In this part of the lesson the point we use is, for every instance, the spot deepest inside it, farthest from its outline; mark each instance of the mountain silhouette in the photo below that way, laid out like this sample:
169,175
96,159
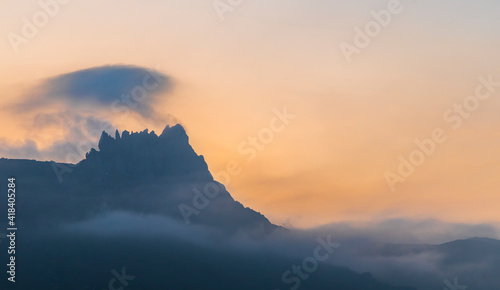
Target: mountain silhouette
138,172
135,156
474,262
149,204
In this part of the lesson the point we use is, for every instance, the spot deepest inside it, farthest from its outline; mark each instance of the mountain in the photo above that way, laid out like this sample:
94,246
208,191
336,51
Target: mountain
138,172
475,262
147,205
133,157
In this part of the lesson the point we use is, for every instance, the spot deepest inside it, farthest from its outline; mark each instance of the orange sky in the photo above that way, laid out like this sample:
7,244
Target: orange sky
353,120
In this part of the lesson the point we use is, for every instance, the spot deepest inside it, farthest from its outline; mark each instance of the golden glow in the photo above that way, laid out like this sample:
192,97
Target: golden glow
352,121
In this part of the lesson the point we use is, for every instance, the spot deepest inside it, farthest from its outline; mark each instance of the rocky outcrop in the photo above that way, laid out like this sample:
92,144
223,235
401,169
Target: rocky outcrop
137,155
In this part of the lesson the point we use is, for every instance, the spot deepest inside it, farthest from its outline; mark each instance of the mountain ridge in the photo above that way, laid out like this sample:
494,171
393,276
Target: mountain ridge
139,172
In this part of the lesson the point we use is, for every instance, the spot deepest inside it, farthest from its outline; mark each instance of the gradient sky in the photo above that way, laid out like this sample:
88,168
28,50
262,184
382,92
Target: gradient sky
353,119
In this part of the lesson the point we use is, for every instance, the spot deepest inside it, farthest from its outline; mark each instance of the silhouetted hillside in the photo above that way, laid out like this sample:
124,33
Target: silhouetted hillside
137,172
141,202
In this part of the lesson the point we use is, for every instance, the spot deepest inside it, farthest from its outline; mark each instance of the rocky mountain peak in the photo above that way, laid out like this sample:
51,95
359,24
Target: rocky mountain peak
144,153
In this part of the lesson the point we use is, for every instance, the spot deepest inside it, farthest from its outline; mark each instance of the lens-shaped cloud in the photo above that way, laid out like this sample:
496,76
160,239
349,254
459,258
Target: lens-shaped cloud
121,87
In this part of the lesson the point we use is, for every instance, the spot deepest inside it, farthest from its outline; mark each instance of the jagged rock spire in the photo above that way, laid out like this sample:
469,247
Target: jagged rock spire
145,154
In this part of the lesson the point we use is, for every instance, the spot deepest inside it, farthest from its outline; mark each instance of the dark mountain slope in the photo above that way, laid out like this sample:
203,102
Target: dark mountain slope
69,237
138,172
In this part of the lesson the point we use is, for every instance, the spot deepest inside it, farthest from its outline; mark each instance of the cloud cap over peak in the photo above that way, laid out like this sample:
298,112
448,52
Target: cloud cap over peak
122,87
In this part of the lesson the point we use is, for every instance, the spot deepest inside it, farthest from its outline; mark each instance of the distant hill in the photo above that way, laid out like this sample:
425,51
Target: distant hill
475,262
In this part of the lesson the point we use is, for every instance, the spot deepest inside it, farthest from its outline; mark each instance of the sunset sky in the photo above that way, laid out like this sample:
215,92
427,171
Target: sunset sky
228,72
